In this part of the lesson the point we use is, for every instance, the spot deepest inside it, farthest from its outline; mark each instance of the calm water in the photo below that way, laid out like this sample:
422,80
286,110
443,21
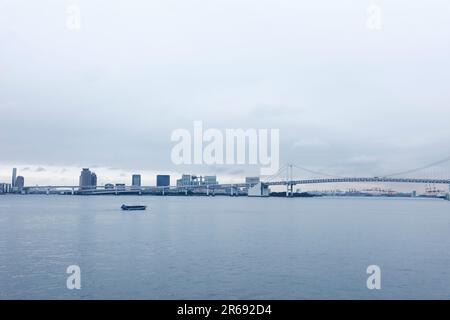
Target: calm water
223,248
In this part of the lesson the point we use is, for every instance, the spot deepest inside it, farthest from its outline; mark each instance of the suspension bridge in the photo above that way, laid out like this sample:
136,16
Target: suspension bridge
436,173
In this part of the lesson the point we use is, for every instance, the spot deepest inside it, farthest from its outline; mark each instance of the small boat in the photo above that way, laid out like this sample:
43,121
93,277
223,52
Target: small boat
125,207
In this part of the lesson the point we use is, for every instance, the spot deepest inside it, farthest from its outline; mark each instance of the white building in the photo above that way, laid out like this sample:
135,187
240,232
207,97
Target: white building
259,190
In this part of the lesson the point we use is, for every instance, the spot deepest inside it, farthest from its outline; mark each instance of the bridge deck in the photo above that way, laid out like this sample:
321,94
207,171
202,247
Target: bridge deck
375,179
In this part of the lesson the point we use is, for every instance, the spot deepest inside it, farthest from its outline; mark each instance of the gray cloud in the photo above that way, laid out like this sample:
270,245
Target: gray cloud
111,93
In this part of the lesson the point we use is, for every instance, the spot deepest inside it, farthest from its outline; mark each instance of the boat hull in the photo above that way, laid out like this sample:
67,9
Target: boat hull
133,208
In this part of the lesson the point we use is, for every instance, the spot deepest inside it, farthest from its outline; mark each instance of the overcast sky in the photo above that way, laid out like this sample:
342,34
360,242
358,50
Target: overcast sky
347,99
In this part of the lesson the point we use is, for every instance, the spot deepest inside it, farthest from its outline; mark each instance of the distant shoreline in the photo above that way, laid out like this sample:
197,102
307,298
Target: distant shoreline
272,195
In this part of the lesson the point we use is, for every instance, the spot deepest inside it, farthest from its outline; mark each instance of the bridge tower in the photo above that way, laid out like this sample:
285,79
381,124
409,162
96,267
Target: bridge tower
289,179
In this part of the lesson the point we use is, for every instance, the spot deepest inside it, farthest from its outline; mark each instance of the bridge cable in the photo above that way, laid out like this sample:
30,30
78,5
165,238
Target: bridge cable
316,172
418,169
276,175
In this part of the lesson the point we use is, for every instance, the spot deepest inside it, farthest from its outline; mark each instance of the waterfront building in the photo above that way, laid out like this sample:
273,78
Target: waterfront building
136,180
88,179
186,180
210,180
85,178
93,180
5,188
20,183
162,180
196,181
193,180
259,190
109,186
120,186
13,180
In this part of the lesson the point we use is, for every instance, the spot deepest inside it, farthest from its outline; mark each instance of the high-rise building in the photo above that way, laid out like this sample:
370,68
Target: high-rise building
88,179
93,179
162,180
136,180
20,183
85,178
13,180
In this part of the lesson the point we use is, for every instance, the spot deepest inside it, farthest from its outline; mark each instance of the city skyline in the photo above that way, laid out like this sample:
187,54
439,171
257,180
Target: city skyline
40,175
368,186
435,170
